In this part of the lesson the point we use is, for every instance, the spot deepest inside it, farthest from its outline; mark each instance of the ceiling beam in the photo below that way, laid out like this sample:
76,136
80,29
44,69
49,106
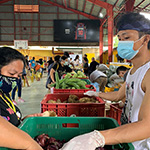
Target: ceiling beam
129,6
73,10
92,9
145,6
100,11
139,4
100,3
77,5
116,3
84,6
65,3
4,1
69,3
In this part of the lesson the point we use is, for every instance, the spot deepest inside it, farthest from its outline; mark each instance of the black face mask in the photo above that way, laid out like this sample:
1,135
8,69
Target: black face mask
7,83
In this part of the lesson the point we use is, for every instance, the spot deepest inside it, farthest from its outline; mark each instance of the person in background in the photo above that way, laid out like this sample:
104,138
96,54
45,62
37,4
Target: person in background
60,67
33,62
70,62
19,86
41,62
24,77
27,66
76,60
85,66
11,66
56,61
27,61
85,55
100,78
45,65
134,37
122,72
93,65
66,54
119,59
50,61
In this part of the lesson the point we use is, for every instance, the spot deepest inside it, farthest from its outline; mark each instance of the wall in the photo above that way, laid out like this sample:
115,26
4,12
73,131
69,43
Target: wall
91,52
36,27
45,54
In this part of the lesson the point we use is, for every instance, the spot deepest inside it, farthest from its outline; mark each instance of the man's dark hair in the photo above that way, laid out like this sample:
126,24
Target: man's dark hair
85,59
66,54
63,57
41,61
33,58
93,59
8,55
136,21
57,58
85,55
121,68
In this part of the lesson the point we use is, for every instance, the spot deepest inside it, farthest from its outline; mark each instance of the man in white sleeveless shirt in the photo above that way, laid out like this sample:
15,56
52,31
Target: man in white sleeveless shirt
133,34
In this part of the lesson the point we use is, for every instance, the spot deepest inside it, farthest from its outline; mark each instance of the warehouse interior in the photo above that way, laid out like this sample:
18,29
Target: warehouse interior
33,21
46,28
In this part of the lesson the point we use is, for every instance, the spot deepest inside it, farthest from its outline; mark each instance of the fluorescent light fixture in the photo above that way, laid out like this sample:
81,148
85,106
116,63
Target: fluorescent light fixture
145,14
101,15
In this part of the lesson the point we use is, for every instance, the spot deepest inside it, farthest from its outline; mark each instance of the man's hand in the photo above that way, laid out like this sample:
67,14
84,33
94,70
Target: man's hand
92,93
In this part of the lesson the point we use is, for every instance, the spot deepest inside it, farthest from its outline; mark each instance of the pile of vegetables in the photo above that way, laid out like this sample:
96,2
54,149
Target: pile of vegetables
49,114
76,99
73,74
68,83
49,143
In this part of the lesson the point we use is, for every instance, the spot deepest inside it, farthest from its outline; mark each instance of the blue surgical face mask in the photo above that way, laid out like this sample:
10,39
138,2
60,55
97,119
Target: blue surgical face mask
125,49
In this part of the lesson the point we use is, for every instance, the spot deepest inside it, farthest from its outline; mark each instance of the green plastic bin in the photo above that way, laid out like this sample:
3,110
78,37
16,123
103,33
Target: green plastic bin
55,127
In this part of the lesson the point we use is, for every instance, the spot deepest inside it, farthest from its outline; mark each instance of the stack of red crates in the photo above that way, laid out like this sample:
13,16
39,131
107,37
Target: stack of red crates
75,109
68,109
115,112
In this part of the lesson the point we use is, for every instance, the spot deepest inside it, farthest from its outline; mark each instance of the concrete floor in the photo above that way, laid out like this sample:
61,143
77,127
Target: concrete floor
32,95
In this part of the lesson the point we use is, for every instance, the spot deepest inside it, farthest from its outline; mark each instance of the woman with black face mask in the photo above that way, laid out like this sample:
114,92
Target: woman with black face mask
11,66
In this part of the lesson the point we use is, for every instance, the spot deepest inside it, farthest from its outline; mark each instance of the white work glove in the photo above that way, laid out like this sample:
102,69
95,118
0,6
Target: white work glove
89,141
92,93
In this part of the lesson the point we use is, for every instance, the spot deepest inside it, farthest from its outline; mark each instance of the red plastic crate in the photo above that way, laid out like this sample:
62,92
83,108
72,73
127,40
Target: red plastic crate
115,112
67,109
74,90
